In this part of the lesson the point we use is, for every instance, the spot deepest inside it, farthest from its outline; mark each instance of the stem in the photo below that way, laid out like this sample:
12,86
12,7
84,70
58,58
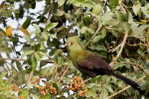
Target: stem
98,29
121,49
64,73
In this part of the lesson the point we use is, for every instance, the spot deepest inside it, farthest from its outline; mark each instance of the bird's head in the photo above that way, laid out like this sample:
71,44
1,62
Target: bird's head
73,44
72,41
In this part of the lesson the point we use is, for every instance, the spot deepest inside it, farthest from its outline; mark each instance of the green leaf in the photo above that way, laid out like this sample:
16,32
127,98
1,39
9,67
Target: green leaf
28,52
2,62
87,20
97,9
48,96
37,29
32,61
109,18
1,31
113,3
51,26
98,47
86,30
24,93
145,9
44,36
61,2
6,12
19,78
119,65
137,8
27,23
83,3
91,92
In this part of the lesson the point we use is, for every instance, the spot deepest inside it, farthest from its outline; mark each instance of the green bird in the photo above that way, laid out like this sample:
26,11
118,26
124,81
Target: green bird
90,64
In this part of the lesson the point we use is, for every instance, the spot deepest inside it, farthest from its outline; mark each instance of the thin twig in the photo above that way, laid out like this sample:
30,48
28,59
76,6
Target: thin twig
115,49
85,81
121,49
64,73
97,31
122,90
30,77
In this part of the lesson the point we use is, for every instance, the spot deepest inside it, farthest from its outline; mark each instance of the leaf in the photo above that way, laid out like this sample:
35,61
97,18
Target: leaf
113,3
136,8
145,9
100,36
61,2
86,30
1,31
48,96
44,36
91,92
138,31
2,63
37,29
6,13
9,30
109,19
28,52
122,16
24,94
83,3
32,61
119,65
26,23
97,9
51,26
98,47
87,20
20,12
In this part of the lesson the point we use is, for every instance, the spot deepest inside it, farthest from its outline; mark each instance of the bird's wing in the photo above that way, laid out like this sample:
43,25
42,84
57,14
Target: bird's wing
94,64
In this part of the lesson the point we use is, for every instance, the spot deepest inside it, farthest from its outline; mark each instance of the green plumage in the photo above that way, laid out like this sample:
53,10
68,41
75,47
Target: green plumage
91,64
86,61
76,51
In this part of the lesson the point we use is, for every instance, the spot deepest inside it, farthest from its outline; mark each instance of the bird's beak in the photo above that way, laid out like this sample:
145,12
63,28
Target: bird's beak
66,45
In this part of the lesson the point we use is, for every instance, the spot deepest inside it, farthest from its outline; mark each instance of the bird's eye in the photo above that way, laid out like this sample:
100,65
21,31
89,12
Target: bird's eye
68,44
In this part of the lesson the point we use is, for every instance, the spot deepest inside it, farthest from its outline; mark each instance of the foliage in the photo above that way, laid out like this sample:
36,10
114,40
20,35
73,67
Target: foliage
34,62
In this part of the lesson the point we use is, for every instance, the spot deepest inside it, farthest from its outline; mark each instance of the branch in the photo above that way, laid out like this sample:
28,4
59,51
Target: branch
122,90
30,77
98,29
64,73
115,49
121,49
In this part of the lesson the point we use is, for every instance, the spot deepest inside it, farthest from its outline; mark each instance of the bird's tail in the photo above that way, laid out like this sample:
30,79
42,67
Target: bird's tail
130,82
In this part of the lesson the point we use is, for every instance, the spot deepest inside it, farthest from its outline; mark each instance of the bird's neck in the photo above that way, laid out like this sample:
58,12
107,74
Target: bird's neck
76,53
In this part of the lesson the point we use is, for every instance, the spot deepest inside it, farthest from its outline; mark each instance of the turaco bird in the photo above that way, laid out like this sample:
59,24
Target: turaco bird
91,64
